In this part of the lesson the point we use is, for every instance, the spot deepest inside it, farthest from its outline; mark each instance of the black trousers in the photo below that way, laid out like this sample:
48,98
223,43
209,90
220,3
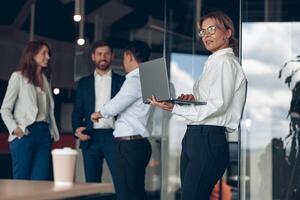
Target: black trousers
132,159
204,159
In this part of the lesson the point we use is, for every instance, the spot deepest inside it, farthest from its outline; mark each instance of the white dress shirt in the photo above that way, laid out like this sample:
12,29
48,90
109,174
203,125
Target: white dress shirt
132,113
102,95
223,86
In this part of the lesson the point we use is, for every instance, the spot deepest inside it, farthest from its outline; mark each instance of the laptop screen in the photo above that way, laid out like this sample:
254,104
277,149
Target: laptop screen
154,79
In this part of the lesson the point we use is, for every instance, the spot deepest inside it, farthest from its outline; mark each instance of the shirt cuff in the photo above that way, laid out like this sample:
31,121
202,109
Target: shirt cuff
24,129
104,112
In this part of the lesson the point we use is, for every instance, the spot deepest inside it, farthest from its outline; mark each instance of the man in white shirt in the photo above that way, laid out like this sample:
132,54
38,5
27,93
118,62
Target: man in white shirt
96,139
134,149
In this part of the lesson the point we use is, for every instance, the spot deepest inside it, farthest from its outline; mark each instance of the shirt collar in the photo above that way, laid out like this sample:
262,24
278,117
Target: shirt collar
132,73
108,74
221,52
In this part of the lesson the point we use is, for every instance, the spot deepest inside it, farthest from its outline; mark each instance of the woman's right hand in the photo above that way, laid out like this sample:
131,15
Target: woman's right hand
18,132
187,97
163,105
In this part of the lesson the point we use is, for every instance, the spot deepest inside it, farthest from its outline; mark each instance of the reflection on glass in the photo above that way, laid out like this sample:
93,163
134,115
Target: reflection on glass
184,70
266,48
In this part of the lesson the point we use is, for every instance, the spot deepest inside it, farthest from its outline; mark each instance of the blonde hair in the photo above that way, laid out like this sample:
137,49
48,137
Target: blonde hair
226,22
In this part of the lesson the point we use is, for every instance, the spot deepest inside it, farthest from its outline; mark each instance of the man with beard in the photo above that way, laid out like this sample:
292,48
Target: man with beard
96,139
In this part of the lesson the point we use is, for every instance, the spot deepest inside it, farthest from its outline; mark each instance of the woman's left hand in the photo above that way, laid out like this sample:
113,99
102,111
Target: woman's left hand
187,97
163,105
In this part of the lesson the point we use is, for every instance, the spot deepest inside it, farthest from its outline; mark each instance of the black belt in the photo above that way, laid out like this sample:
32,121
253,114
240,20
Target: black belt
131,137
200,127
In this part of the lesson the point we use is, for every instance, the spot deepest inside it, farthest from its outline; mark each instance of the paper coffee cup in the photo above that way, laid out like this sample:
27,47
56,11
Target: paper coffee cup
64,162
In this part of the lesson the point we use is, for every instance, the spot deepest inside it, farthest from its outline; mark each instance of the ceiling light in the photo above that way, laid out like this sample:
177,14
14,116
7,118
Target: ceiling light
77,11
80,41
77,18
56,91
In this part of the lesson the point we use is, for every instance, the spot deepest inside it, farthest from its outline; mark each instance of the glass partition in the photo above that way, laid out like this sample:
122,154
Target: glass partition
270,129
168,26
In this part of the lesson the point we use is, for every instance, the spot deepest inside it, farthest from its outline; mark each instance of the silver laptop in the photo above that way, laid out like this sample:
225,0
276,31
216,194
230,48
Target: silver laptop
154,81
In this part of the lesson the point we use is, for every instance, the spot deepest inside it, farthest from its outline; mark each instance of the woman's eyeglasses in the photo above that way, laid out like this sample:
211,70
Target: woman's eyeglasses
210,30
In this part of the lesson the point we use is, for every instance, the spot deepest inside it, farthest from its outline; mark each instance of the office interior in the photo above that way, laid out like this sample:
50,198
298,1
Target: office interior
264,153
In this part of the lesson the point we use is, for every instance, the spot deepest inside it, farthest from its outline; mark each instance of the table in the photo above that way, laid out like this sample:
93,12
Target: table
40,190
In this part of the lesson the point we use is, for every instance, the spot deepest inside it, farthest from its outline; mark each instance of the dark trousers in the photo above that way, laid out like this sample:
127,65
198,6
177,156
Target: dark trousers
204,159
31,154
100,146
132,159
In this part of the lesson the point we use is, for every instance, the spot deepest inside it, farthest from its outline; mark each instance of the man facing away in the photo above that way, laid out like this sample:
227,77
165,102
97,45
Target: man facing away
133,147
96,138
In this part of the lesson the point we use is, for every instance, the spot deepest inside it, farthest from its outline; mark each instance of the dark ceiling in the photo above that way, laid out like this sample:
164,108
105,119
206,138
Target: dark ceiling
54,18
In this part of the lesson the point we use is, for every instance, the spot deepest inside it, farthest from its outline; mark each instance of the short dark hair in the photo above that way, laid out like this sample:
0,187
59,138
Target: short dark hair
139,49
101,43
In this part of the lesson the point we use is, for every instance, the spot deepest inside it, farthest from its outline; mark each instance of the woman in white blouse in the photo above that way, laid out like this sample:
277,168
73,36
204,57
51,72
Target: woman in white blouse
28,113
205,152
